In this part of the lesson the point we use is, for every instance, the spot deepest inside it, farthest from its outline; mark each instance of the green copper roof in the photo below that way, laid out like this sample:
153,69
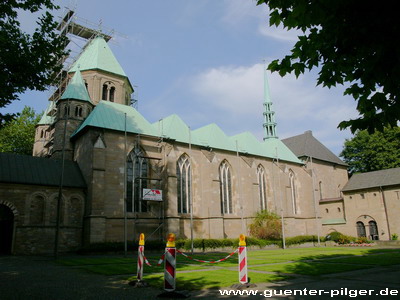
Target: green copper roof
111,115
46,119
212,136
97,55
76,89
173,127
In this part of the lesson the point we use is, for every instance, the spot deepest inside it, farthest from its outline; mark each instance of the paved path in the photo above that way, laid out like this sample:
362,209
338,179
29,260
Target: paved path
24,277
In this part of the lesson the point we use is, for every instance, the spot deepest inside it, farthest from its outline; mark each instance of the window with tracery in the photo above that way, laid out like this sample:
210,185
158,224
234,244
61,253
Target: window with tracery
225,178
293,194
262,191
184,178
137,168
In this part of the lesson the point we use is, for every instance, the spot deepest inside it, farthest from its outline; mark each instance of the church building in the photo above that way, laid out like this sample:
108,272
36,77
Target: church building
119,175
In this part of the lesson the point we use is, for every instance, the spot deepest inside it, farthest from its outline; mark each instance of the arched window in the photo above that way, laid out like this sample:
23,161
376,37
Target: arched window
112,94
361,229
184,178
293,191
137,176
320,190
78,111
36,213
66,110
373,230
104,92
75,211
262,187
225,179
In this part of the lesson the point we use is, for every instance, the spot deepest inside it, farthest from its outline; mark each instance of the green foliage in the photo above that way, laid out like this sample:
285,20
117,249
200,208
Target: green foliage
302,239
349,46
18,136
334,236
346,239
266,225
27,61
394,237
363,240
371,152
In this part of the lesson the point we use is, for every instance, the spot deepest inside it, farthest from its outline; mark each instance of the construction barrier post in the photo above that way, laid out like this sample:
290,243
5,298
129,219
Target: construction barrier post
170,264
140,265
170,271
140,261
243,278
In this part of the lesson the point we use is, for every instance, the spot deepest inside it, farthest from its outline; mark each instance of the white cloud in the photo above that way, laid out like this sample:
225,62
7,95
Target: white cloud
237,94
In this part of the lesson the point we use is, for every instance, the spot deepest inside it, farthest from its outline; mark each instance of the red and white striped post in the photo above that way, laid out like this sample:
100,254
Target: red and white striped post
170,264
243,278
140,261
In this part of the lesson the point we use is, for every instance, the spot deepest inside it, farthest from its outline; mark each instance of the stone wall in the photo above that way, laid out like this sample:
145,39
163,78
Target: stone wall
34,209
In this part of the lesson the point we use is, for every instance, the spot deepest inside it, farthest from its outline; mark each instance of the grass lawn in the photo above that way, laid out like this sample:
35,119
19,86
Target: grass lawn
214,279
277,264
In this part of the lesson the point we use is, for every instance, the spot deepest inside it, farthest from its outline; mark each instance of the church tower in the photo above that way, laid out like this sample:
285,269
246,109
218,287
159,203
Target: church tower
269,114
71,109
102,74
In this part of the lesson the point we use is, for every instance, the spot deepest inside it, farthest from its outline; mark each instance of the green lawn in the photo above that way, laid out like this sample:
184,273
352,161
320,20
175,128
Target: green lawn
263,265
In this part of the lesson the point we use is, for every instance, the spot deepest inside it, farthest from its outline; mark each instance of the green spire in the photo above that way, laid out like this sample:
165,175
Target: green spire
97,56
76,89
269,114
46,118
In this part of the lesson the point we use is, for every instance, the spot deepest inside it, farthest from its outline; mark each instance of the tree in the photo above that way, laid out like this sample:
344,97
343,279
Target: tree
370,152
27,61
354,43
266,225
18,135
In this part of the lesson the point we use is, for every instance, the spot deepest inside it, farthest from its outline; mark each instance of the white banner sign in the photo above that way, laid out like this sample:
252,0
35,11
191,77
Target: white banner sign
152,195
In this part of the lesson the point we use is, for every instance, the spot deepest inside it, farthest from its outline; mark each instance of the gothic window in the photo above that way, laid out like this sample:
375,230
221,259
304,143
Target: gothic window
104,92
225,180
137,178
293,194
37,210
262,187
183,175
112,94
373,230
320,190
42,134
361,229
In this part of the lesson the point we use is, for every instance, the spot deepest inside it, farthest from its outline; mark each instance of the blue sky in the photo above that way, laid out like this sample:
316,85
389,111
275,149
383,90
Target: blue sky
203,60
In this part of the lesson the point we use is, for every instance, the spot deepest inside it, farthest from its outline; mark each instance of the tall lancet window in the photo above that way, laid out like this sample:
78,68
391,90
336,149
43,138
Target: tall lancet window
184,178
262,187
293,194
225,180
137,169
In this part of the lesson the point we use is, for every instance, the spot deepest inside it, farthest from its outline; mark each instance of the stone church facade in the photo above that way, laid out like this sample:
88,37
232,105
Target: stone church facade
114,157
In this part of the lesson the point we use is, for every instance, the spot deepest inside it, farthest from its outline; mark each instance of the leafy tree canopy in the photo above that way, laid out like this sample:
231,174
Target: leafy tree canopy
18,135
354,43
371,152
27,61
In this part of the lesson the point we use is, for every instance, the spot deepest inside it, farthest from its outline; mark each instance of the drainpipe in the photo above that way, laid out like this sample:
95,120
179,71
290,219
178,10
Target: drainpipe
386,213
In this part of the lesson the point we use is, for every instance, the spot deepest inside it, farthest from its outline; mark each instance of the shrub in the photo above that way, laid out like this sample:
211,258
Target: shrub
266,225
363,240
334,236
345,239
394,237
